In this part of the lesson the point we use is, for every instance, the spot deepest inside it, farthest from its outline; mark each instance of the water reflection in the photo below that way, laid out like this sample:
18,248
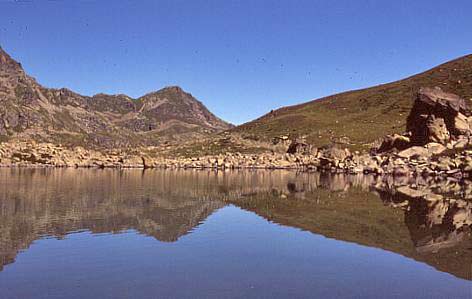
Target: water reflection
169,204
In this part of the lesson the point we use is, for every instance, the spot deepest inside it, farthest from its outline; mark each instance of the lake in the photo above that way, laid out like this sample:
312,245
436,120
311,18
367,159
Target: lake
84,233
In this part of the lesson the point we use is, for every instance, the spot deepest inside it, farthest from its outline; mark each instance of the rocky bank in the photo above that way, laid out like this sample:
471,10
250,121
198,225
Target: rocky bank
437,143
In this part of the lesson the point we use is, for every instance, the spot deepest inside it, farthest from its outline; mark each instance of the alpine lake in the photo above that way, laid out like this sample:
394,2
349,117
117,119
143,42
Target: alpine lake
102,233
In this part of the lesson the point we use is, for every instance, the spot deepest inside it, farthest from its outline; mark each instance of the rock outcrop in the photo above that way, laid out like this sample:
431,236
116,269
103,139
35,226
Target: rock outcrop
301,147
438,116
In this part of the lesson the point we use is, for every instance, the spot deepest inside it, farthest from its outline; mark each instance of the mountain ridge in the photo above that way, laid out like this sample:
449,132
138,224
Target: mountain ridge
32,111
170,116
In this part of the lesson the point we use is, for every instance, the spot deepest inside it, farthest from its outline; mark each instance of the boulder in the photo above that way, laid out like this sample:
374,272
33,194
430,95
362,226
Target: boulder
335,153
461,125
435,112
436,131
395,141
435,101
462,143
333,157
435,148
300,147
414,152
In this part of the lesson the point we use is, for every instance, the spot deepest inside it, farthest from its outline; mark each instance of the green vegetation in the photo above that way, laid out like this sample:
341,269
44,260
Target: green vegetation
216,148
361,116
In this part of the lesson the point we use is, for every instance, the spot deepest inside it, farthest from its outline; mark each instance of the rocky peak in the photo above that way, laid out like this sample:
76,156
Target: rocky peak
173,103
175,89
8,64
171,93
65,117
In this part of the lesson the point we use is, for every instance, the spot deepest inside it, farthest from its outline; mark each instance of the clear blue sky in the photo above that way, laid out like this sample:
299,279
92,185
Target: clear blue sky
241,58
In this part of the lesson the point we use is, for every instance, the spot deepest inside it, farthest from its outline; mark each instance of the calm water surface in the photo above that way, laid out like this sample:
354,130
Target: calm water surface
199,234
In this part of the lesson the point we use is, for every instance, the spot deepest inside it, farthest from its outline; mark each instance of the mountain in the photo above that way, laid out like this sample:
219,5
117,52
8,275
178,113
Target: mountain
33,112
357,118
29,111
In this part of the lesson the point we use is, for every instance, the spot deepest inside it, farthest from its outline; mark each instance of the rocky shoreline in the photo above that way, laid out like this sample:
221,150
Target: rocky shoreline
431,160
437,143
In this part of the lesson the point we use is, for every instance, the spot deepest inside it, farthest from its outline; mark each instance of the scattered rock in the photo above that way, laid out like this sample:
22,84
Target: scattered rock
394,142
410,192
414,152
435,148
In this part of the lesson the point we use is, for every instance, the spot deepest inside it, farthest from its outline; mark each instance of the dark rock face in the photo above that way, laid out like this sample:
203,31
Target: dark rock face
300,147
395,141
30,111
437,116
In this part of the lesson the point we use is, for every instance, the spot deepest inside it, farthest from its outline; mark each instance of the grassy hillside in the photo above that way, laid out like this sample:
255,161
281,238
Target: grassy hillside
360,117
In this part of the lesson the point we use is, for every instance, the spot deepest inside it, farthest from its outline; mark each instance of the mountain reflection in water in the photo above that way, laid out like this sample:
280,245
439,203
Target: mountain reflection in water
169,204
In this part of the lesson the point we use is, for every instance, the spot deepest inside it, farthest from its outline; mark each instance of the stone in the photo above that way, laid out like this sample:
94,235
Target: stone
433,197
436,131
445,164
410,192
461,125
414,152
435,148
300,147
467,165
436,99
336,153
432,104
461,143
395,141
400,171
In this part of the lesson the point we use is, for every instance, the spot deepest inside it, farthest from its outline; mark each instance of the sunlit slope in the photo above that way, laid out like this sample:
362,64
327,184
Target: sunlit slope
360,117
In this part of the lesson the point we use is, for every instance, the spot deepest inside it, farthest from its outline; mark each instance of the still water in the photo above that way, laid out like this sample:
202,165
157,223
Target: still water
204,234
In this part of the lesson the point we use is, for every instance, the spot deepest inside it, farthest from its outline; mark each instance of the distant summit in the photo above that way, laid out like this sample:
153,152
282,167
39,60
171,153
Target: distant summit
29,111
6,62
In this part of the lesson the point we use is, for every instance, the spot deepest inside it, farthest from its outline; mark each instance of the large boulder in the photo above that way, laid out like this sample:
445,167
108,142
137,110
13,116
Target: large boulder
436,111
300,147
